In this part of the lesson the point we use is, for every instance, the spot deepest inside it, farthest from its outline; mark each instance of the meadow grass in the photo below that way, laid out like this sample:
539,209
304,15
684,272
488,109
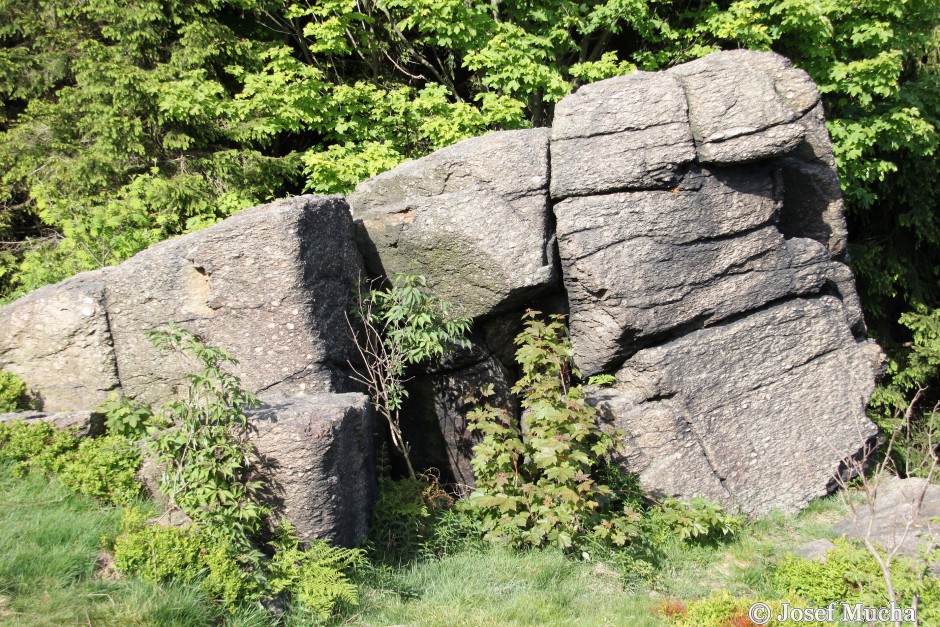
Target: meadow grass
50,574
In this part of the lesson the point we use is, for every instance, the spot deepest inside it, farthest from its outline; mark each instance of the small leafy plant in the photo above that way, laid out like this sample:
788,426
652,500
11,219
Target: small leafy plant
694,519
125,417
12,393
201,439
535,478
401,326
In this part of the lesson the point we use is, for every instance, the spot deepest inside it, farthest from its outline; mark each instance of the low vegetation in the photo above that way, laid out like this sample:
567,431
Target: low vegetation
553,532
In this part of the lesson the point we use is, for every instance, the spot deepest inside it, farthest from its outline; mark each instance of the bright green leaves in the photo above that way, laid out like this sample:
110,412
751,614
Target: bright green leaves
535,478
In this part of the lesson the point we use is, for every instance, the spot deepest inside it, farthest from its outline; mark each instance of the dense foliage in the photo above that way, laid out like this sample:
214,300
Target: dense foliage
102,468
12,392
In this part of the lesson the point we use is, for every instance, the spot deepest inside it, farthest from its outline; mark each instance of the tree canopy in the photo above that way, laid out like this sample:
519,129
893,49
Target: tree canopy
123,123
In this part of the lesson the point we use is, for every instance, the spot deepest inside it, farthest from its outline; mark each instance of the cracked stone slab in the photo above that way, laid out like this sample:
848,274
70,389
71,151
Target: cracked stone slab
270,285
318,459
58,340
638,265
746,105
81,423
472,218
629,132
757,413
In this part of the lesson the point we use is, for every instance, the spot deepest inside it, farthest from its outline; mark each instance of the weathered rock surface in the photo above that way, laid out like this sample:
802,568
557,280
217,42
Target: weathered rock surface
81,423
270,285
640,264
757,413
630,132
58,340
900,517
472,218
319,459
745,106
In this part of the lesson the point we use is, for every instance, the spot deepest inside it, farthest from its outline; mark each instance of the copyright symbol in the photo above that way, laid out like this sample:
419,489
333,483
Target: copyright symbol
759,613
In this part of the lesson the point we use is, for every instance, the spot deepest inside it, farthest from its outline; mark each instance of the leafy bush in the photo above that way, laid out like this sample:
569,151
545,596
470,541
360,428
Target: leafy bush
201,438
313,577
103,468
125,417
12,393
211,474
416,518
694,519
34,446
535,479
851,574
186,554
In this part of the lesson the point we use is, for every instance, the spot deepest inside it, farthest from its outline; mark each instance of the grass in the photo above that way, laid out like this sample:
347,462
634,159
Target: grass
498,587
51,539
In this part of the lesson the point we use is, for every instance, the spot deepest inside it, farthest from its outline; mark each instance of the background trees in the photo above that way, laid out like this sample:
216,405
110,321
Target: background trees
123,123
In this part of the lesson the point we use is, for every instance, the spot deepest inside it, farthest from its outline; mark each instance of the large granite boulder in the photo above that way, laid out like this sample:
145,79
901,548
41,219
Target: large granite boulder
707,274
319,460
58,340
630,132
271,285
758,413
472,218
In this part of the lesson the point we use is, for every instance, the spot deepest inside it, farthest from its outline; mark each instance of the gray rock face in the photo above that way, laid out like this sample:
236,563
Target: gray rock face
639,264
58,340
757,413
270,285
321,465
438,406
472,218
630,132
900,517
81,423
745,106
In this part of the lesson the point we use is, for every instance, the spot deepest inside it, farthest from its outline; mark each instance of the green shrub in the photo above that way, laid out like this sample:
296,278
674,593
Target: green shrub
104,468
415,518
12,393
201,439
401,326
34,446
535,478
694,519
313,577
851,574
125,417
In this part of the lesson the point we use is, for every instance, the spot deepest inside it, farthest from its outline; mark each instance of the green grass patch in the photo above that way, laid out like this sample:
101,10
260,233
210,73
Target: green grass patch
51,571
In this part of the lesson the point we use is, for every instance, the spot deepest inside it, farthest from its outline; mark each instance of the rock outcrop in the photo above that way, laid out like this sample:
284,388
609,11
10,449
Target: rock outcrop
58,339
708,276
472,218
318,456
690,221
271,285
